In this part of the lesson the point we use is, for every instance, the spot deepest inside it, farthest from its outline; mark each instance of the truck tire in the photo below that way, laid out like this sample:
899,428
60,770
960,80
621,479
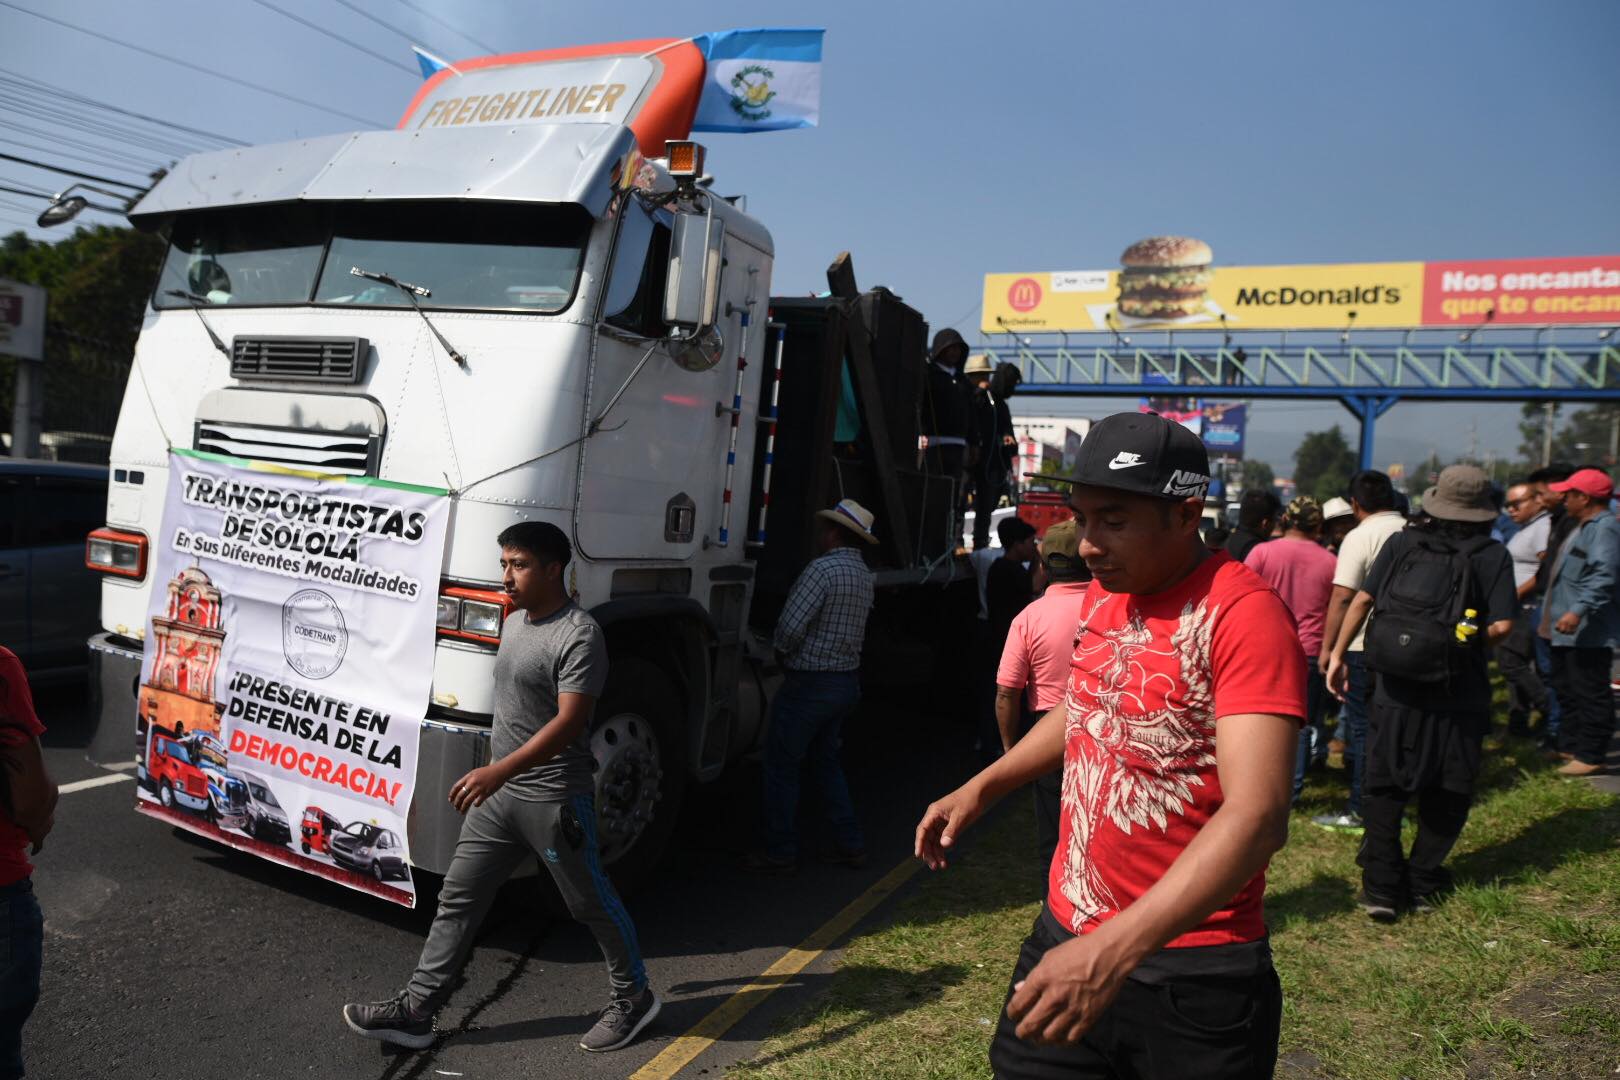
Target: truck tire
166,795
639,738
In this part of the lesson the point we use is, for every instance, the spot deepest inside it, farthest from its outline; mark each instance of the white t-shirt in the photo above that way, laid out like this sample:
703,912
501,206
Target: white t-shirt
1361,546
1526,547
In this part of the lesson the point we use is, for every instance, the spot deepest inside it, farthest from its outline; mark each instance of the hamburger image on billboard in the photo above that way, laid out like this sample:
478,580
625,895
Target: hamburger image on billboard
1164,278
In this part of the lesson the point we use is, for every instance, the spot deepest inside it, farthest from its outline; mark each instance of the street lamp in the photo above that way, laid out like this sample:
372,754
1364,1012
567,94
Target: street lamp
66,206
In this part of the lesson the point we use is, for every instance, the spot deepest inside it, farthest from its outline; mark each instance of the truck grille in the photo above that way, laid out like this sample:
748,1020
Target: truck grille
289,359
330,452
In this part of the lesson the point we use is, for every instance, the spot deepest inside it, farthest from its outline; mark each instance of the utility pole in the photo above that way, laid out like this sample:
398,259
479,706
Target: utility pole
28,408
1546,433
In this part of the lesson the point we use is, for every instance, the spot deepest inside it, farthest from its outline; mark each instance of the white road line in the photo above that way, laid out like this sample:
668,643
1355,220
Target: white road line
94,781
120,766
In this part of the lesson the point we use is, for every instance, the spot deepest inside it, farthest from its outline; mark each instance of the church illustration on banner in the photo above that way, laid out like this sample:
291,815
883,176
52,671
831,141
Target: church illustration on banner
188,638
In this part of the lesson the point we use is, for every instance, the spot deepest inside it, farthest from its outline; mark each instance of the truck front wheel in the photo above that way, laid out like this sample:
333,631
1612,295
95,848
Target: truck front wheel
638,740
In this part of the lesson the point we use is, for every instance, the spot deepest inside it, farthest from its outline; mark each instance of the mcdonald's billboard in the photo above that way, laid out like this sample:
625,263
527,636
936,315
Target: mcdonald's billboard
1172,283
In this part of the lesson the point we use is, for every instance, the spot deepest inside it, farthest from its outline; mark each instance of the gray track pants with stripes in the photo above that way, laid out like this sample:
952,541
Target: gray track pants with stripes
494,839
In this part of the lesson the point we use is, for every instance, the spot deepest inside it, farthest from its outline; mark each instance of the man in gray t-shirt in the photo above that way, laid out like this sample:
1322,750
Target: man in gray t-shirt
535,797
538,661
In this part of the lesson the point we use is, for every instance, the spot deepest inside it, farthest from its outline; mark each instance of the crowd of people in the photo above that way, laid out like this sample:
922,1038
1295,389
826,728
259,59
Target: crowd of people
1165,692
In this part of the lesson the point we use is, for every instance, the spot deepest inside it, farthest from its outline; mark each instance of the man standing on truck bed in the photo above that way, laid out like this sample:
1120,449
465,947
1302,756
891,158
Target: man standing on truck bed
534,798
1150,956
818,637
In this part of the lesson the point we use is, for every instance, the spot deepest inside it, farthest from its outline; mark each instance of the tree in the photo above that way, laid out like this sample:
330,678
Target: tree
1324,463
99,280
1585,437
1257,474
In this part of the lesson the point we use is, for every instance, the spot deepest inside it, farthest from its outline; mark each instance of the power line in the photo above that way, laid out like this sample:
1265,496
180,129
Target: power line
24,191
447,26
319,29
14,77
47,102
101,156
188,64
73,172
57,135
390,27
60,123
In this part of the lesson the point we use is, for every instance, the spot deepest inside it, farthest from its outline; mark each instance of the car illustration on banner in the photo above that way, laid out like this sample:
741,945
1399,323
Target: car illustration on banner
174,772
369,849
317,829
267,821
227,793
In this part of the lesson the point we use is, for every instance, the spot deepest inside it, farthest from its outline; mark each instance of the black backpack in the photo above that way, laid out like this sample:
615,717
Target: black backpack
1413,632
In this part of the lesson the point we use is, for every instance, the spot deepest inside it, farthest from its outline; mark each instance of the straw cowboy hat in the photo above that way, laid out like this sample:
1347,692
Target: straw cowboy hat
852,516
978,364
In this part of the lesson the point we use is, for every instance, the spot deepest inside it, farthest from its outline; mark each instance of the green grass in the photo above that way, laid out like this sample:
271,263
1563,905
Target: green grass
1518,973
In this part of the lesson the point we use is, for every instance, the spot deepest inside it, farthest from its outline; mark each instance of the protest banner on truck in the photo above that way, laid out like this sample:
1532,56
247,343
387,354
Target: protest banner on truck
288,659
1172,283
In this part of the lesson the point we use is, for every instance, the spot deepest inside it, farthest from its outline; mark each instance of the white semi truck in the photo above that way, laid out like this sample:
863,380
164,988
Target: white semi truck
557,327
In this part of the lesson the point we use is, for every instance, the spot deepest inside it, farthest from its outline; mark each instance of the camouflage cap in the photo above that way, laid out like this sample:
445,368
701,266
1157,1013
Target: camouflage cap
1304,513
1060,551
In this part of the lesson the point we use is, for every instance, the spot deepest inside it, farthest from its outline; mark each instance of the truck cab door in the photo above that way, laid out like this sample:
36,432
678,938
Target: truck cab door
662,441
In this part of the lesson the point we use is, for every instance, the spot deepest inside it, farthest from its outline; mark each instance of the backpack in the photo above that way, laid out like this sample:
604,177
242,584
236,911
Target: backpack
1413,632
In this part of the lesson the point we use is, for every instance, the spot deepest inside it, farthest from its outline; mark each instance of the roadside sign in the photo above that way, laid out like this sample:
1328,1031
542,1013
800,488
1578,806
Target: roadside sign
22,320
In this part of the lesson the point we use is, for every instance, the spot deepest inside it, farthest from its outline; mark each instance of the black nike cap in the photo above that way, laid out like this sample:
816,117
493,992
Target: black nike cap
1145,454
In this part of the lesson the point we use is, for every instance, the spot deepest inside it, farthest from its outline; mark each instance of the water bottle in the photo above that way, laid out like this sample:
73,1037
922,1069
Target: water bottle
1468,627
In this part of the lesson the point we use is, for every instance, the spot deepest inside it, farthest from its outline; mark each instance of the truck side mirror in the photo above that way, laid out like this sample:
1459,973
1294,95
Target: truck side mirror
692,293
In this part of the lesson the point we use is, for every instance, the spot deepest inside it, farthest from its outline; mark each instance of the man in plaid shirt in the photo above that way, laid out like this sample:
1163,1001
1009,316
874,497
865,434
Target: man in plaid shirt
818,638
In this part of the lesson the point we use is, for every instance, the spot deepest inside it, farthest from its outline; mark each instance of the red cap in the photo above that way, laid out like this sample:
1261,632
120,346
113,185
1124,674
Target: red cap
1587,482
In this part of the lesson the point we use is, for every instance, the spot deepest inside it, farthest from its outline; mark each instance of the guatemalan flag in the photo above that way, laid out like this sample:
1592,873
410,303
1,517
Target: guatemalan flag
760,80
430,63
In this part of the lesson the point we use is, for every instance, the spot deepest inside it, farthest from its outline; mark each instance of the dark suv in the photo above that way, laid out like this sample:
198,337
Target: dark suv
49,603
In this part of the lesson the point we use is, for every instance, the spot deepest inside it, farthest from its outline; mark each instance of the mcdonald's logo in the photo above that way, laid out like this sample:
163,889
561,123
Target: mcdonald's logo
1024,294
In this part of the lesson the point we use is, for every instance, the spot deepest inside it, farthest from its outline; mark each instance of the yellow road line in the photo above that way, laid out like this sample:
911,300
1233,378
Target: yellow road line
681,1053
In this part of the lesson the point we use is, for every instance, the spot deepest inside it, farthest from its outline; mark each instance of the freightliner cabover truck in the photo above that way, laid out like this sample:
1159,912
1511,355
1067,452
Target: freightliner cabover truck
555,325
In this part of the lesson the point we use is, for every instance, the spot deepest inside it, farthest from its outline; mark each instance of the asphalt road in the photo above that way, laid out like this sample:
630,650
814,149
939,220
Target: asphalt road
166,955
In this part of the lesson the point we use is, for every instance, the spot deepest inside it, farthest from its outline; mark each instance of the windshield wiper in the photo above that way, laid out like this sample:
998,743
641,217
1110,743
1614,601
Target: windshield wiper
411,293
196,305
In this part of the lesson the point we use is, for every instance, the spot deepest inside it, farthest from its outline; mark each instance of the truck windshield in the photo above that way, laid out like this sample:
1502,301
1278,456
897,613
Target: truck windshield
473,256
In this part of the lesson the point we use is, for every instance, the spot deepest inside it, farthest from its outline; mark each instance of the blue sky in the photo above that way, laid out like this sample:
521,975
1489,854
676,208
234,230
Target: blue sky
964,138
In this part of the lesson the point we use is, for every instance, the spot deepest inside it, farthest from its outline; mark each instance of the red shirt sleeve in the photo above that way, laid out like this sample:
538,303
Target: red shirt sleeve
18,721
1256,661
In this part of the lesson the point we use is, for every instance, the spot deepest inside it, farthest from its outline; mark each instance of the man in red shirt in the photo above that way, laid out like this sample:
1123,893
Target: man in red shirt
27,809
1301,570
1177,740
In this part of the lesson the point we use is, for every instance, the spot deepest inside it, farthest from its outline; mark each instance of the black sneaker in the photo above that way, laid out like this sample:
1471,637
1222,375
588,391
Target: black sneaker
622,1021
762,862
1383,911
840,857
391,1021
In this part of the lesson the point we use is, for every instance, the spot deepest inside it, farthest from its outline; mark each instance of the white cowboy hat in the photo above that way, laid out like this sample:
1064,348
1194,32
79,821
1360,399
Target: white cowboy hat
978,364
852,516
